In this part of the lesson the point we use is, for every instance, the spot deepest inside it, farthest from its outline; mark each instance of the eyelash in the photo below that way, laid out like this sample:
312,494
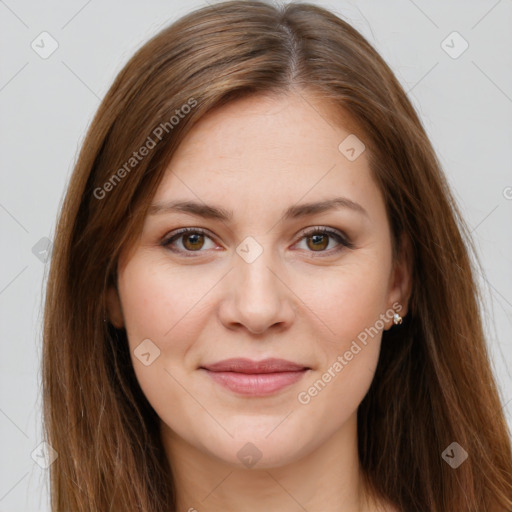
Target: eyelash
317,230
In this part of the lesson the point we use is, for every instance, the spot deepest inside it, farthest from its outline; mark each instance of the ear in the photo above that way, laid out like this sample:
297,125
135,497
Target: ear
401,279
114,310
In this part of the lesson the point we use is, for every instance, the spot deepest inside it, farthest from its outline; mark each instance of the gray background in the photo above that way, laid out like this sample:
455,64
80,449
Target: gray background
46,105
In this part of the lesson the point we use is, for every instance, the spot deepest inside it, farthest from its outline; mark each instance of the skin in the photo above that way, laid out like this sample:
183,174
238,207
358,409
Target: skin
296,301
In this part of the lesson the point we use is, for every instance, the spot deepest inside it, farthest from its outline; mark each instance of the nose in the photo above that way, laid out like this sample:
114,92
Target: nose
256,296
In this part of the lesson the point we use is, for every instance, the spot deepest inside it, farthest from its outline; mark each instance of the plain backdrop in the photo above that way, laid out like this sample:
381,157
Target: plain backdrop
463,96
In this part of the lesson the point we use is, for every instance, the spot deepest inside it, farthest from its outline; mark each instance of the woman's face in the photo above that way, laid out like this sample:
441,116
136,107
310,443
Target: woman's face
260,283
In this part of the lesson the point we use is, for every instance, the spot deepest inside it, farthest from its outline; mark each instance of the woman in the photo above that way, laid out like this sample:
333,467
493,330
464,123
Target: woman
261,296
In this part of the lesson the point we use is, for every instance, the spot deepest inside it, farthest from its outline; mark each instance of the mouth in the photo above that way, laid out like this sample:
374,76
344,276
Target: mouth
255,378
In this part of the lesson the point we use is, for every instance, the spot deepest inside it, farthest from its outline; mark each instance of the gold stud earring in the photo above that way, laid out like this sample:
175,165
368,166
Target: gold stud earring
397,319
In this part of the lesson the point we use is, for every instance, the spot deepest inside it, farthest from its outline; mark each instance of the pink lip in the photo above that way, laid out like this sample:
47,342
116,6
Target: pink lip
255,378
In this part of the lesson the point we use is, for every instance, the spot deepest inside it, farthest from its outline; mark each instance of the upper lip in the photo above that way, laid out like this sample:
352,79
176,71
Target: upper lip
242,365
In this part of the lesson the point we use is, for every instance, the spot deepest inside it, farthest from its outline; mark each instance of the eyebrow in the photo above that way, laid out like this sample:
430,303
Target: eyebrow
293,212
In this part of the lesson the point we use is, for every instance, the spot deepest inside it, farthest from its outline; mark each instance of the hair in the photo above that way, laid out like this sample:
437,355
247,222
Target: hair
433,384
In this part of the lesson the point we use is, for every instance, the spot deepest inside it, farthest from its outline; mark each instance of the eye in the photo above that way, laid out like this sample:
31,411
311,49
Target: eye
192,240
317,239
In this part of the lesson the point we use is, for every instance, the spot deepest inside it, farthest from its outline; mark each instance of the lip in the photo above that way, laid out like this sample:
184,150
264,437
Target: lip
255,378
243,365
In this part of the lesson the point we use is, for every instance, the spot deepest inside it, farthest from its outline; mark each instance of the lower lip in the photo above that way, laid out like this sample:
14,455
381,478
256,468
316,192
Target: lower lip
259,384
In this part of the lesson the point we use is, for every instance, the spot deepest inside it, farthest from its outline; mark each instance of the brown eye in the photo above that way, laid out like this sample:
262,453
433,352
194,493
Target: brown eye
318,242
192,240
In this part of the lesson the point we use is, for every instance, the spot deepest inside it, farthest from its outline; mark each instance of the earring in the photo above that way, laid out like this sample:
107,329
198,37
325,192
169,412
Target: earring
397,319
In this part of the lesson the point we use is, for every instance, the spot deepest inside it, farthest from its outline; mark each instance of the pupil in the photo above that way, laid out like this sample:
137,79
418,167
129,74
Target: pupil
317,241
193,239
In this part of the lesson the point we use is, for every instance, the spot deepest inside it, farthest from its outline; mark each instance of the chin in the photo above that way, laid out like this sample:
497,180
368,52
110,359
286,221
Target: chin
251,450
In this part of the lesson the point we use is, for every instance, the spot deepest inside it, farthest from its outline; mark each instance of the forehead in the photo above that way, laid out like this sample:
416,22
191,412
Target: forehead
268,151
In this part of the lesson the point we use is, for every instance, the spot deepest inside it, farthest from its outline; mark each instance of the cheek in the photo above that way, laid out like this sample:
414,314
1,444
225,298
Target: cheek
346,299
162,303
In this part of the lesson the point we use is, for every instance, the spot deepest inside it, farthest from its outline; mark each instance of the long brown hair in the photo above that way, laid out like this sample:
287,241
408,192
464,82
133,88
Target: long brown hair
433,385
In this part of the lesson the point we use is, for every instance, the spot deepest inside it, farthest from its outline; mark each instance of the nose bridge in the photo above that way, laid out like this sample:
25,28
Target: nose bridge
252,266
258,299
